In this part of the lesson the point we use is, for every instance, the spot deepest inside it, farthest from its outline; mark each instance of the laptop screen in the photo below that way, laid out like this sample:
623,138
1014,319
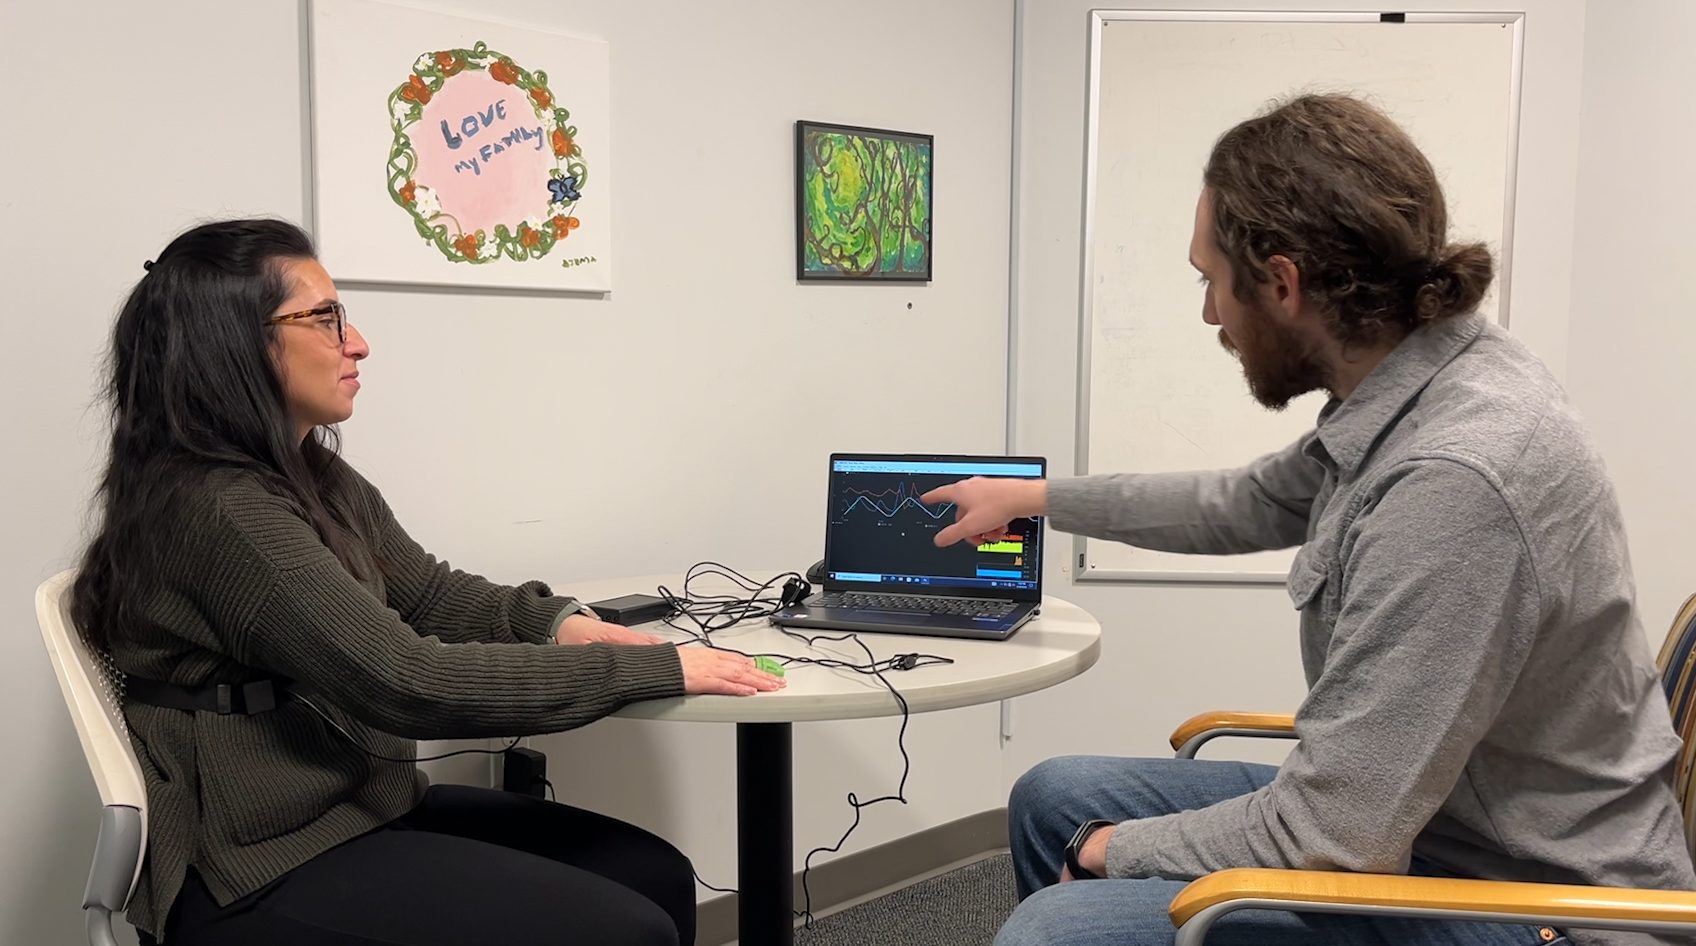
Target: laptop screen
880,536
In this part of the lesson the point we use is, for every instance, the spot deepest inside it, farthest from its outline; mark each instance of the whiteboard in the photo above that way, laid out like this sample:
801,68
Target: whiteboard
1156,393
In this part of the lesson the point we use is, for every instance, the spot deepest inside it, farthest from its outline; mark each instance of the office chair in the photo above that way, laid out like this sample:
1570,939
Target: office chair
1208,898
93,691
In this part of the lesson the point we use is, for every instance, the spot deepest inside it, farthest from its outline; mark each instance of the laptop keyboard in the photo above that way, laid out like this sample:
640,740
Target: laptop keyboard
927,604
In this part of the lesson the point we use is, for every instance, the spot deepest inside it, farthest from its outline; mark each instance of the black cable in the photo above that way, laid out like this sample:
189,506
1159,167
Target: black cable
387,758
710,886
806,911
717,612
853,801
550,787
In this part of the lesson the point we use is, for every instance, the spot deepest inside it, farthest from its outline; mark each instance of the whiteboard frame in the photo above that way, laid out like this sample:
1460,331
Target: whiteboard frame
1084,572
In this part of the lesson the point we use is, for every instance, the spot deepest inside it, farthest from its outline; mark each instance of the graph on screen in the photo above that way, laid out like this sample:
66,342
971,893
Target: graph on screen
889,503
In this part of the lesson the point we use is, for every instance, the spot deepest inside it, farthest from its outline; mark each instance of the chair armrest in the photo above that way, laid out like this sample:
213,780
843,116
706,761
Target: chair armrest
118,852
1210,897
111,878
1197,730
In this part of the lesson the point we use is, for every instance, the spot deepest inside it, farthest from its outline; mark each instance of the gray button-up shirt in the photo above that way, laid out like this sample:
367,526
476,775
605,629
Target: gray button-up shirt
1481,693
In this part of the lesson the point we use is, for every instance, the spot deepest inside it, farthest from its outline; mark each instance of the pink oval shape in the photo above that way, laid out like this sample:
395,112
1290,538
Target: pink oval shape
490,162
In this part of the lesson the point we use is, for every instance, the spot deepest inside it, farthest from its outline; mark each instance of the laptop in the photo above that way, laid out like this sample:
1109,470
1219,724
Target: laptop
883,571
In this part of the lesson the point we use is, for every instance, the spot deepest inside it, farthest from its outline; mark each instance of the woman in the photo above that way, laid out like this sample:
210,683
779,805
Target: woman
237,548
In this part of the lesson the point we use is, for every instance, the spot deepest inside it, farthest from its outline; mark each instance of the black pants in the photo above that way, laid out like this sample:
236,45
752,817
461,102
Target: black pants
467,866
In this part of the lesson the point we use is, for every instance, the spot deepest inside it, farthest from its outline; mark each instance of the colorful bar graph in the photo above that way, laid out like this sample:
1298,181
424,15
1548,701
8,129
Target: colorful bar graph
999,573
1014,546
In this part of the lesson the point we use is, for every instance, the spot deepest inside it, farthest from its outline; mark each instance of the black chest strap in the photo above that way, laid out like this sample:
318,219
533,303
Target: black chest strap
225,699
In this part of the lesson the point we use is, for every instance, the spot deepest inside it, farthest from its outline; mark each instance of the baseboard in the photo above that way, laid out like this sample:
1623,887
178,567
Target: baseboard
852,877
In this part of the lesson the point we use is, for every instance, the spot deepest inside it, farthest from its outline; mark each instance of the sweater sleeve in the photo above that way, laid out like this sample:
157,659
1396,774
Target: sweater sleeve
297,612
1440,607
435,598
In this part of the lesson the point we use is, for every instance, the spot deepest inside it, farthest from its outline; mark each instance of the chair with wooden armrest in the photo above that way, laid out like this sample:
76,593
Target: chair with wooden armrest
1197,731
1205,900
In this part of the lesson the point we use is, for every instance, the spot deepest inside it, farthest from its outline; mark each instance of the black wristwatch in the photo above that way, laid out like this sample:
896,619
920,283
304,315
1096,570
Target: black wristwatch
1076,847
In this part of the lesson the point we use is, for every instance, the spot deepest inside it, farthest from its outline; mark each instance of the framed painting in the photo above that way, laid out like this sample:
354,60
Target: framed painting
862,203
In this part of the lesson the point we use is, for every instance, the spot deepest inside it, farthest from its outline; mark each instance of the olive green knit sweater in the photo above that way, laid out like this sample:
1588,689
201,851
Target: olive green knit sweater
419,651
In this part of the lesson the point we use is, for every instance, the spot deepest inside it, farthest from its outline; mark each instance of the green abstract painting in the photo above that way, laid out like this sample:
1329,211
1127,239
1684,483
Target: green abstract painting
862,203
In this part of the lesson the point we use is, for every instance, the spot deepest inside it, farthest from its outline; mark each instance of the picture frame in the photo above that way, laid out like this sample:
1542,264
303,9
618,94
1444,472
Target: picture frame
863,204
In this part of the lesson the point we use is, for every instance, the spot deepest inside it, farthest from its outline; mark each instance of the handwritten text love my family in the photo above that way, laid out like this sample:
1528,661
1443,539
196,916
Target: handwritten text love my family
477,122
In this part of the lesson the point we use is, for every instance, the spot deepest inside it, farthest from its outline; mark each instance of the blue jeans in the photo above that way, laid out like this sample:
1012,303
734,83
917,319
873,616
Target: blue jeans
1051,800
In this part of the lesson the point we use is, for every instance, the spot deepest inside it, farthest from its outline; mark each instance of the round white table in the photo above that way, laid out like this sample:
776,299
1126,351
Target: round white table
1058,644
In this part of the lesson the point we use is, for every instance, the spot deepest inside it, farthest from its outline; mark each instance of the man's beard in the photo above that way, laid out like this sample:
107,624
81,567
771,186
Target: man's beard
1277,364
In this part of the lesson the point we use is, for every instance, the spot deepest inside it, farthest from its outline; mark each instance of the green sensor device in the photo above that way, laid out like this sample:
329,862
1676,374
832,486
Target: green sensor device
769,666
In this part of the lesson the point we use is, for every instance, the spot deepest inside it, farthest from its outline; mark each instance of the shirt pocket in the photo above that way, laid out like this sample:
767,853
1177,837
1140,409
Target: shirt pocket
1313,584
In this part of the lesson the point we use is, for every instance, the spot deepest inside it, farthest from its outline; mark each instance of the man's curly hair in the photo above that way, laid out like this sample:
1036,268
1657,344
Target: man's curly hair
1333,184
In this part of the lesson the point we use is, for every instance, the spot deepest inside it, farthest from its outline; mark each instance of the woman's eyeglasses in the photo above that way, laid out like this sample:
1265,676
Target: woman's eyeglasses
331,316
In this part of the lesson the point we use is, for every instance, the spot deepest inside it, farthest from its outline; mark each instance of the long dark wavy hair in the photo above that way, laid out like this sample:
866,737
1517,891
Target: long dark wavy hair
194,388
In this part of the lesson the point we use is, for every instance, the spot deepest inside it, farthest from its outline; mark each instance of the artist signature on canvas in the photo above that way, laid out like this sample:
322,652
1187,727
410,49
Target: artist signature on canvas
577,261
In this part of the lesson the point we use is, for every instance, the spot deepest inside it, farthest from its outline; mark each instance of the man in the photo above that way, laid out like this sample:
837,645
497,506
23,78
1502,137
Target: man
1482,702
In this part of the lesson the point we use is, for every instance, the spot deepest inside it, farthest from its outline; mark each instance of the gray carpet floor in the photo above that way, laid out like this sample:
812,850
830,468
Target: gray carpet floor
964,907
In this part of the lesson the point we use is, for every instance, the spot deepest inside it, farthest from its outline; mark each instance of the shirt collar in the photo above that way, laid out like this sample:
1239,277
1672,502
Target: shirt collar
1348,428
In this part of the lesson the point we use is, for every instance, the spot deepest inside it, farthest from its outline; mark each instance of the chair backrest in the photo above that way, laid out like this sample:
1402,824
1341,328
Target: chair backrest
93,691
1677,663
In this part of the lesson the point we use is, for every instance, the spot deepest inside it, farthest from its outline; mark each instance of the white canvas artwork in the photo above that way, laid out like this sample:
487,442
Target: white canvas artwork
458,152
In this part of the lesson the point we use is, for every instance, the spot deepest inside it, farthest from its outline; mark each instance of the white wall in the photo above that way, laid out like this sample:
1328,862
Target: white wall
1173,650
1633,299
515,433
